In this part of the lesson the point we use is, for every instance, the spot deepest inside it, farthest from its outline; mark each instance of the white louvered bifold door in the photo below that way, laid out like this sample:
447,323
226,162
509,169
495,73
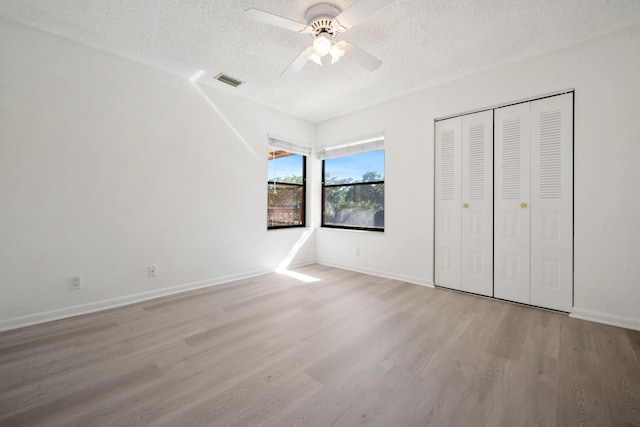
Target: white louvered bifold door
552,202
512,200
477,203
448,267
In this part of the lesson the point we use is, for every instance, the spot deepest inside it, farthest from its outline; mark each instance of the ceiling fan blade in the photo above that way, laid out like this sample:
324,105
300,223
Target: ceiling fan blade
361,57
359,10
298,63
258,15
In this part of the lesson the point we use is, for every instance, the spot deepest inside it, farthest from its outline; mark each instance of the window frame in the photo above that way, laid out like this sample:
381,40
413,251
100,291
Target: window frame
289,184
324,186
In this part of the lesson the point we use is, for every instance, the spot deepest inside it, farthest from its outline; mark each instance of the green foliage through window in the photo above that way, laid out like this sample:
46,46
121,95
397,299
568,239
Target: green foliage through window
353,191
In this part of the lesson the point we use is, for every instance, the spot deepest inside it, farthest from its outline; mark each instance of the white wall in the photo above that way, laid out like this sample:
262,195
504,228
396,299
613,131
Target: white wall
605,74
107,166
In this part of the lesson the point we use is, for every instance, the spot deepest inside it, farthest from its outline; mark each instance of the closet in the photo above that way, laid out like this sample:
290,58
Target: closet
508,234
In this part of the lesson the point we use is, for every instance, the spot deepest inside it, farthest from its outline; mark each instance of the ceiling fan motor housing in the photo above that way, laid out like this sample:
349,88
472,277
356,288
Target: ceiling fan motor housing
320,18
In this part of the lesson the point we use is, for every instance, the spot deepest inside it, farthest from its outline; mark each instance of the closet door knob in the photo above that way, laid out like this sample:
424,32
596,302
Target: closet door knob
523,205
466,205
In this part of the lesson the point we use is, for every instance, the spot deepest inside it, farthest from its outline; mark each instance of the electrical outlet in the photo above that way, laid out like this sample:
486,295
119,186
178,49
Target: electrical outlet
75,283
152,271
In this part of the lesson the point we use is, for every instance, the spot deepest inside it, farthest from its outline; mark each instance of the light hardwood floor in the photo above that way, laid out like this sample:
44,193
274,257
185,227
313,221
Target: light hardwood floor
347,350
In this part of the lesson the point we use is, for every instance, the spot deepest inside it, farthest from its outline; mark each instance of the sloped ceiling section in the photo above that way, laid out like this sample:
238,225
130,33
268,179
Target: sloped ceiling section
421,42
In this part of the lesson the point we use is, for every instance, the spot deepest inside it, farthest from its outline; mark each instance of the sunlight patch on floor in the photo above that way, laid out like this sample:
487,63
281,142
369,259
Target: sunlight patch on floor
298,276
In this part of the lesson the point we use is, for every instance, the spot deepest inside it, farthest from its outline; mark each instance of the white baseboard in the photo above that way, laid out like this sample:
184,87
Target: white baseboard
92,307
380,273
63,313
606,318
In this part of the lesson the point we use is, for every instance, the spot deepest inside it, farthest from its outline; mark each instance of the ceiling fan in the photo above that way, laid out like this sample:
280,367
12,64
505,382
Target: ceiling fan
324,21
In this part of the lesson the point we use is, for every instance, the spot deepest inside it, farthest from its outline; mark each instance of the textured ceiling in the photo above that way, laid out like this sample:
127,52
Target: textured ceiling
421,42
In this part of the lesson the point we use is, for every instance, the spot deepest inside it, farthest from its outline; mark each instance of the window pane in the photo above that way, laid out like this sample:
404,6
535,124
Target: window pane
359,205
361,167
286,205
285,189
285,167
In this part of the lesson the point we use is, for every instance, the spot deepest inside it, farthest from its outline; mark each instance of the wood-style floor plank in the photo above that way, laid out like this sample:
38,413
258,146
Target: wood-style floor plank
347,350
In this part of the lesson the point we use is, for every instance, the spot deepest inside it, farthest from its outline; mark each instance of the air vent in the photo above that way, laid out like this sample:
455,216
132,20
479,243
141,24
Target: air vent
228,80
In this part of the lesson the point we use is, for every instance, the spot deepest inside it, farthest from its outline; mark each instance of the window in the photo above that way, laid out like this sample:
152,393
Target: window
353,188
286,187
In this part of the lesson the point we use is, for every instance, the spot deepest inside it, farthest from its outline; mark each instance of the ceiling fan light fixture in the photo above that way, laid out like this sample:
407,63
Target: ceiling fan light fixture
314,57
336,53
322,45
